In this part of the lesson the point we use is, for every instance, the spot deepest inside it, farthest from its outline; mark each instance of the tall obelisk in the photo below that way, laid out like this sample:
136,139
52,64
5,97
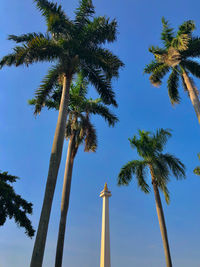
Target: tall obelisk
105,233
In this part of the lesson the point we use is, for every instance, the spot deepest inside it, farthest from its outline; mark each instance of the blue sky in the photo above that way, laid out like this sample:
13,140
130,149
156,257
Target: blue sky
25,144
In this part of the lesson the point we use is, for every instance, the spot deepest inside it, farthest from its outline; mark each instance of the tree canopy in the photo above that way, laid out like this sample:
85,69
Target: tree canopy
161,165
13,205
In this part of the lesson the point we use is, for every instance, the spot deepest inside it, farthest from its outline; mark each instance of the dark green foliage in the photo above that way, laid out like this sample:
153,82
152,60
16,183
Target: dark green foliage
192,66
167,34
74,46
172,85
149,148
13,205
175,57
197,169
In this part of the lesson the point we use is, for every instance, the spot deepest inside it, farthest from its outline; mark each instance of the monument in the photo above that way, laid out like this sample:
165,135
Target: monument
105,233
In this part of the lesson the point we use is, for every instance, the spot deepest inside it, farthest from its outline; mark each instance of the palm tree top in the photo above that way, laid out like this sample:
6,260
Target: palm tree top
178,53
150,148
73,46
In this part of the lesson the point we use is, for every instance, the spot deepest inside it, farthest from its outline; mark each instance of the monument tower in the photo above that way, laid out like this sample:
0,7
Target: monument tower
105,233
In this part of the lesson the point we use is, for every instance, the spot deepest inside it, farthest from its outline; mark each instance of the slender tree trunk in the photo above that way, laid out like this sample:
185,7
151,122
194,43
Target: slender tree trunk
65,202
161,219
193,95
56,153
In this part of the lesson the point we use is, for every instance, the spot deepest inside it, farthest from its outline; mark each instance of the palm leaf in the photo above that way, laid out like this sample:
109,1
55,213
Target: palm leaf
101,84
55,16
94,107
172,84
153,66
101,30
167,33
46,87
158,74
192,66
160,138
84,12
186,27
175,165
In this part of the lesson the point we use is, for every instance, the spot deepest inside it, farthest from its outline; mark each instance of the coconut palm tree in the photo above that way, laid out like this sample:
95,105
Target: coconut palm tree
197,169
177,56
73,45
150,148
13,205
79,130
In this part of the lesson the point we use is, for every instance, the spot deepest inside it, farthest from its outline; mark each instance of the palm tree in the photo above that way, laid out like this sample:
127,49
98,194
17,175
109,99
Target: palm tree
177,57
197,169
13,205
74,46
79,130
150,147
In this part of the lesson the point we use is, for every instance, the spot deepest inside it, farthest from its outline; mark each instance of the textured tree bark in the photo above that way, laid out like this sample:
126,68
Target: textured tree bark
56,153
161,219
193,95
65,202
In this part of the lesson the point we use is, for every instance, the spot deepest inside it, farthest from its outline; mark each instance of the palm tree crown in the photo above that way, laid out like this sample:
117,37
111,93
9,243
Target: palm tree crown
73,45
177,56
149,148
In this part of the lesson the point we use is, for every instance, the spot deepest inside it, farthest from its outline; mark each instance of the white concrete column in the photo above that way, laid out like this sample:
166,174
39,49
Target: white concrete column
105,233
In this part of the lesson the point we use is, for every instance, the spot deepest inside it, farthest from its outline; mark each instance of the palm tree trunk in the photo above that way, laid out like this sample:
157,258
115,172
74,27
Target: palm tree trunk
65,202
162,224
193,95
56,153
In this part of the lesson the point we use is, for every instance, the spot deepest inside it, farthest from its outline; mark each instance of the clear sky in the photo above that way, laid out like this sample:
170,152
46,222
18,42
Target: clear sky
25,145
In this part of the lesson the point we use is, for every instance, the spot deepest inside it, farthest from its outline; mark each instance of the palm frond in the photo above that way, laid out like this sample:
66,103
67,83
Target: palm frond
8,60
181,42
172,84
140,173
94,107
100,31
175,165
102,59
160,138
192,66
160,170
193,48
46,87
38,49
167,33
126,172
90,137
27,37
165,191
55,16
84,12
158,74
101,84
187,27
153,66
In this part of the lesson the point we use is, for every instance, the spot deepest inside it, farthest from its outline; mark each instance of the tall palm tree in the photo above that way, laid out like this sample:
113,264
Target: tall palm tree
79,130
13,205
197,169
74,46
150,148
177,56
